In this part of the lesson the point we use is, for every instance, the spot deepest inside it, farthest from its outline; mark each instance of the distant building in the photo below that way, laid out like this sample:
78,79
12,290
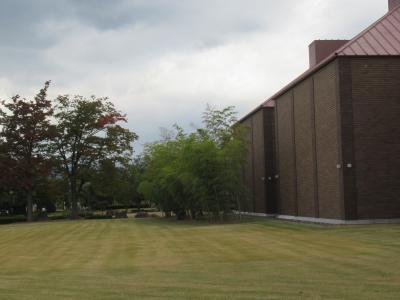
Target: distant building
328,144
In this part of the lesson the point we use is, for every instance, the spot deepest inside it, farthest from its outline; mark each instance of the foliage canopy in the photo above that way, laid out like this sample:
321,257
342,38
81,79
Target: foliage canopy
190,174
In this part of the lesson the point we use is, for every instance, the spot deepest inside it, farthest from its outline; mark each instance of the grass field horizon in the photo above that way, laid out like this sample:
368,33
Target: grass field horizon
157,258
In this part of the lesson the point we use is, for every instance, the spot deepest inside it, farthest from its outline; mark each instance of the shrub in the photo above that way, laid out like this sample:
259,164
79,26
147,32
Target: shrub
41,216
12,219
59,216
97,217
142,214
121,214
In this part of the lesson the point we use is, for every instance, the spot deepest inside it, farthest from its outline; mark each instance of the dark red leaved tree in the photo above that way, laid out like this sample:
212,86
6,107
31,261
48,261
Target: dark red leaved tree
25,129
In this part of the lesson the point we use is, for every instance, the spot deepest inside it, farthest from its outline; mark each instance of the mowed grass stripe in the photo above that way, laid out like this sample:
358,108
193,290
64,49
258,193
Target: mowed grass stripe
150,258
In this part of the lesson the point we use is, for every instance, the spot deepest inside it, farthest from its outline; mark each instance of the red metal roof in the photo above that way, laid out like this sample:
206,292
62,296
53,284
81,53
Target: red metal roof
381,38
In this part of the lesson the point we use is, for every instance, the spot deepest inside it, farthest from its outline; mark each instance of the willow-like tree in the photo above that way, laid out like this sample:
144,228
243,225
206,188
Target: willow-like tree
25,131
87,132
199,172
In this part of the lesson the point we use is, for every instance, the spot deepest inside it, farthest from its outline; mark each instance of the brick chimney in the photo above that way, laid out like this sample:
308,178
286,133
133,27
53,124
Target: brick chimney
321,49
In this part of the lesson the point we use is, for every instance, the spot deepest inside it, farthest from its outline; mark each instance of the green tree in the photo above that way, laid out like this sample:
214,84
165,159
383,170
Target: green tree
112,181
222,128
192,173
220,125
25,131
87,132
135,177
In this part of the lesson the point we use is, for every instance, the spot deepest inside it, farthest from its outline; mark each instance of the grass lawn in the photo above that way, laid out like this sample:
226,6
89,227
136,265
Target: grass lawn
152,259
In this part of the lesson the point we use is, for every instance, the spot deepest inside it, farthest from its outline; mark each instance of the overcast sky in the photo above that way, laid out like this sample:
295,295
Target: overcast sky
161,61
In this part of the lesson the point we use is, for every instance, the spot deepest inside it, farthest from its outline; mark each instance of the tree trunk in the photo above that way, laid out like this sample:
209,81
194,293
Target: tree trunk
29,206
74,200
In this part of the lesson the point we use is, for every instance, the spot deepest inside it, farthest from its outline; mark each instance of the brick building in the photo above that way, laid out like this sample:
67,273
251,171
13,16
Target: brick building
328,144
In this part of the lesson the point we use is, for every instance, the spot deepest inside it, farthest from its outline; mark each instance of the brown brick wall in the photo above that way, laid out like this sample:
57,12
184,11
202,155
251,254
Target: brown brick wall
248,172
270,162
327,142
346,113
259,162
308,140
287,203
305,156
376,118
347,175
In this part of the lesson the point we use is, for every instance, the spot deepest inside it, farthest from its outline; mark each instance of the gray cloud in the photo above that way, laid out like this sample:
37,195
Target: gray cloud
161,61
